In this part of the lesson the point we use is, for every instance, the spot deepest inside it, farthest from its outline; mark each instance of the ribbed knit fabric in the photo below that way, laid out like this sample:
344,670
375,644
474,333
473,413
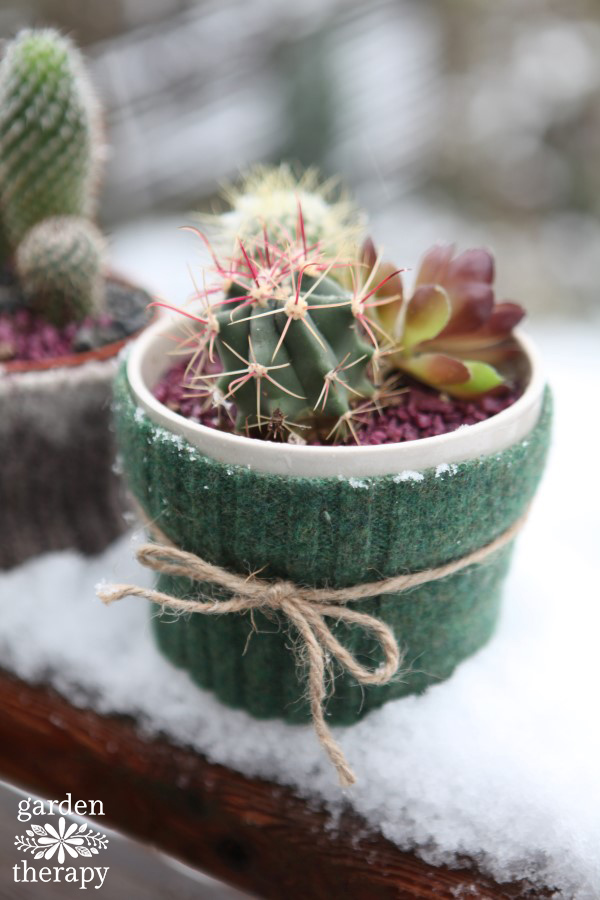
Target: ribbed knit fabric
335,531
58,488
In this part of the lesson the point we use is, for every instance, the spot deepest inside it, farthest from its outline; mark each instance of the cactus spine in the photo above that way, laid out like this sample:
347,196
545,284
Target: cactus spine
50,145
60,267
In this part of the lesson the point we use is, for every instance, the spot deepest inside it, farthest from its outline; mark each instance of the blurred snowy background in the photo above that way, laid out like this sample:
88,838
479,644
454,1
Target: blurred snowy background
451,119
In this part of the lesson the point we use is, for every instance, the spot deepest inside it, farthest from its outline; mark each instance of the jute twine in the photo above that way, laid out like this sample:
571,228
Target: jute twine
305,608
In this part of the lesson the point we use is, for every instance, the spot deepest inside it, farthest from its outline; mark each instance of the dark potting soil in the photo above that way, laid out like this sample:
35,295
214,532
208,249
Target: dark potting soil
418,412
30,338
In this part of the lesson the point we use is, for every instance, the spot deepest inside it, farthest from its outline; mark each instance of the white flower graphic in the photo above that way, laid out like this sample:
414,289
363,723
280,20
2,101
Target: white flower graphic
46,841
60,840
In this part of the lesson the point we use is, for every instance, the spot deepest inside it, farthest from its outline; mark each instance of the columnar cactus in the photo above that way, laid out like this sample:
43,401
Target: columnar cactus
60,268
50,144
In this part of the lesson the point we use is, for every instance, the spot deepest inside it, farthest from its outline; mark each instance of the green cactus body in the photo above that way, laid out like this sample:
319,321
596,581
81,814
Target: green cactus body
60,267
312,373
49,141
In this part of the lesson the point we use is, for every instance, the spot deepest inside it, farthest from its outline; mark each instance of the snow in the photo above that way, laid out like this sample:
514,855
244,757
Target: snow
358,483
408,475
452,468
500,762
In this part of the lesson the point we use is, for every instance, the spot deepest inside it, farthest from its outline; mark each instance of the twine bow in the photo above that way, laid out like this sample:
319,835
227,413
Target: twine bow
305,608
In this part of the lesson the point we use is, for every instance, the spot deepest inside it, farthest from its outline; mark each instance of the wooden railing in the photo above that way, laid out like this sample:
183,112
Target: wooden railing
250,833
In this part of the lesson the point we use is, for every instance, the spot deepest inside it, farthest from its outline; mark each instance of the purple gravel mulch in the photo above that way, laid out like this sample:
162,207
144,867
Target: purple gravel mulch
419,413
27,337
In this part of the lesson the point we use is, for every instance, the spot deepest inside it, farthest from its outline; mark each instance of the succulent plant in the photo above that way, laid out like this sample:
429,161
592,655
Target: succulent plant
60,268
450,334
50,145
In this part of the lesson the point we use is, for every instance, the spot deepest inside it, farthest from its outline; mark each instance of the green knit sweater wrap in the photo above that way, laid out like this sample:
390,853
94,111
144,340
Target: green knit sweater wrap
327,531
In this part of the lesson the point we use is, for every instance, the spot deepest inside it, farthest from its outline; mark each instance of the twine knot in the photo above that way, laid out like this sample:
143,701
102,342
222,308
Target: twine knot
277,593
305,608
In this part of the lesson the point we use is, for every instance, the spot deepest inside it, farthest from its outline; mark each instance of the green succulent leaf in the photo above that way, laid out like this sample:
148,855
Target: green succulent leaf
389,297
427,314
482,378
387,318
435,369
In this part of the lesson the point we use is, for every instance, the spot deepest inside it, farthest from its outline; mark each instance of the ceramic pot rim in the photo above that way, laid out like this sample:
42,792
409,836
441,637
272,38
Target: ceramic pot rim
149,358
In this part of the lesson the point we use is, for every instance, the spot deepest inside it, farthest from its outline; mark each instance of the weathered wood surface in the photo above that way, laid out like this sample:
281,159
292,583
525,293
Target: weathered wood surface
249,833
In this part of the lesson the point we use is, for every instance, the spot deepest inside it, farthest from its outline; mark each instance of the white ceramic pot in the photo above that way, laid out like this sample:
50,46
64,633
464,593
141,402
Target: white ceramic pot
149,359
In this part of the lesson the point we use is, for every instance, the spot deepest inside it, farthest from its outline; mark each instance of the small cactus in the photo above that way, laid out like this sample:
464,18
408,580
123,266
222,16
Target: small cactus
286,312
60,268
50,144
268,200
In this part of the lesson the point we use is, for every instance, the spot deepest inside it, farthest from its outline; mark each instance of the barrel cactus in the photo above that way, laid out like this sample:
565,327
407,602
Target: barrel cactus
285,312
50,143
60,267
291,347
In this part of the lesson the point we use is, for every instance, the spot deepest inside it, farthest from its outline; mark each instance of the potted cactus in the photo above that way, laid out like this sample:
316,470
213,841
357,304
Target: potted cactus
325,430
63,317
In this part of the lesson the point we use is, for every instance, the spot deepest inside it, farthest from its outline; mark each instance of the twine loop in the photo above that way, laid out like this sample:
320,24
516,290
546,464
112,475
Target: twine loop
307,609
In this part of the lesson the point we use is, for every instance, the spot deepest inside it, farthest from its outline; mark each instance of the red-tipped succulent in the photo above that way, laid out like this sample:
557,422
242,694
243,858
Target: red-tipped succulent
450,334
